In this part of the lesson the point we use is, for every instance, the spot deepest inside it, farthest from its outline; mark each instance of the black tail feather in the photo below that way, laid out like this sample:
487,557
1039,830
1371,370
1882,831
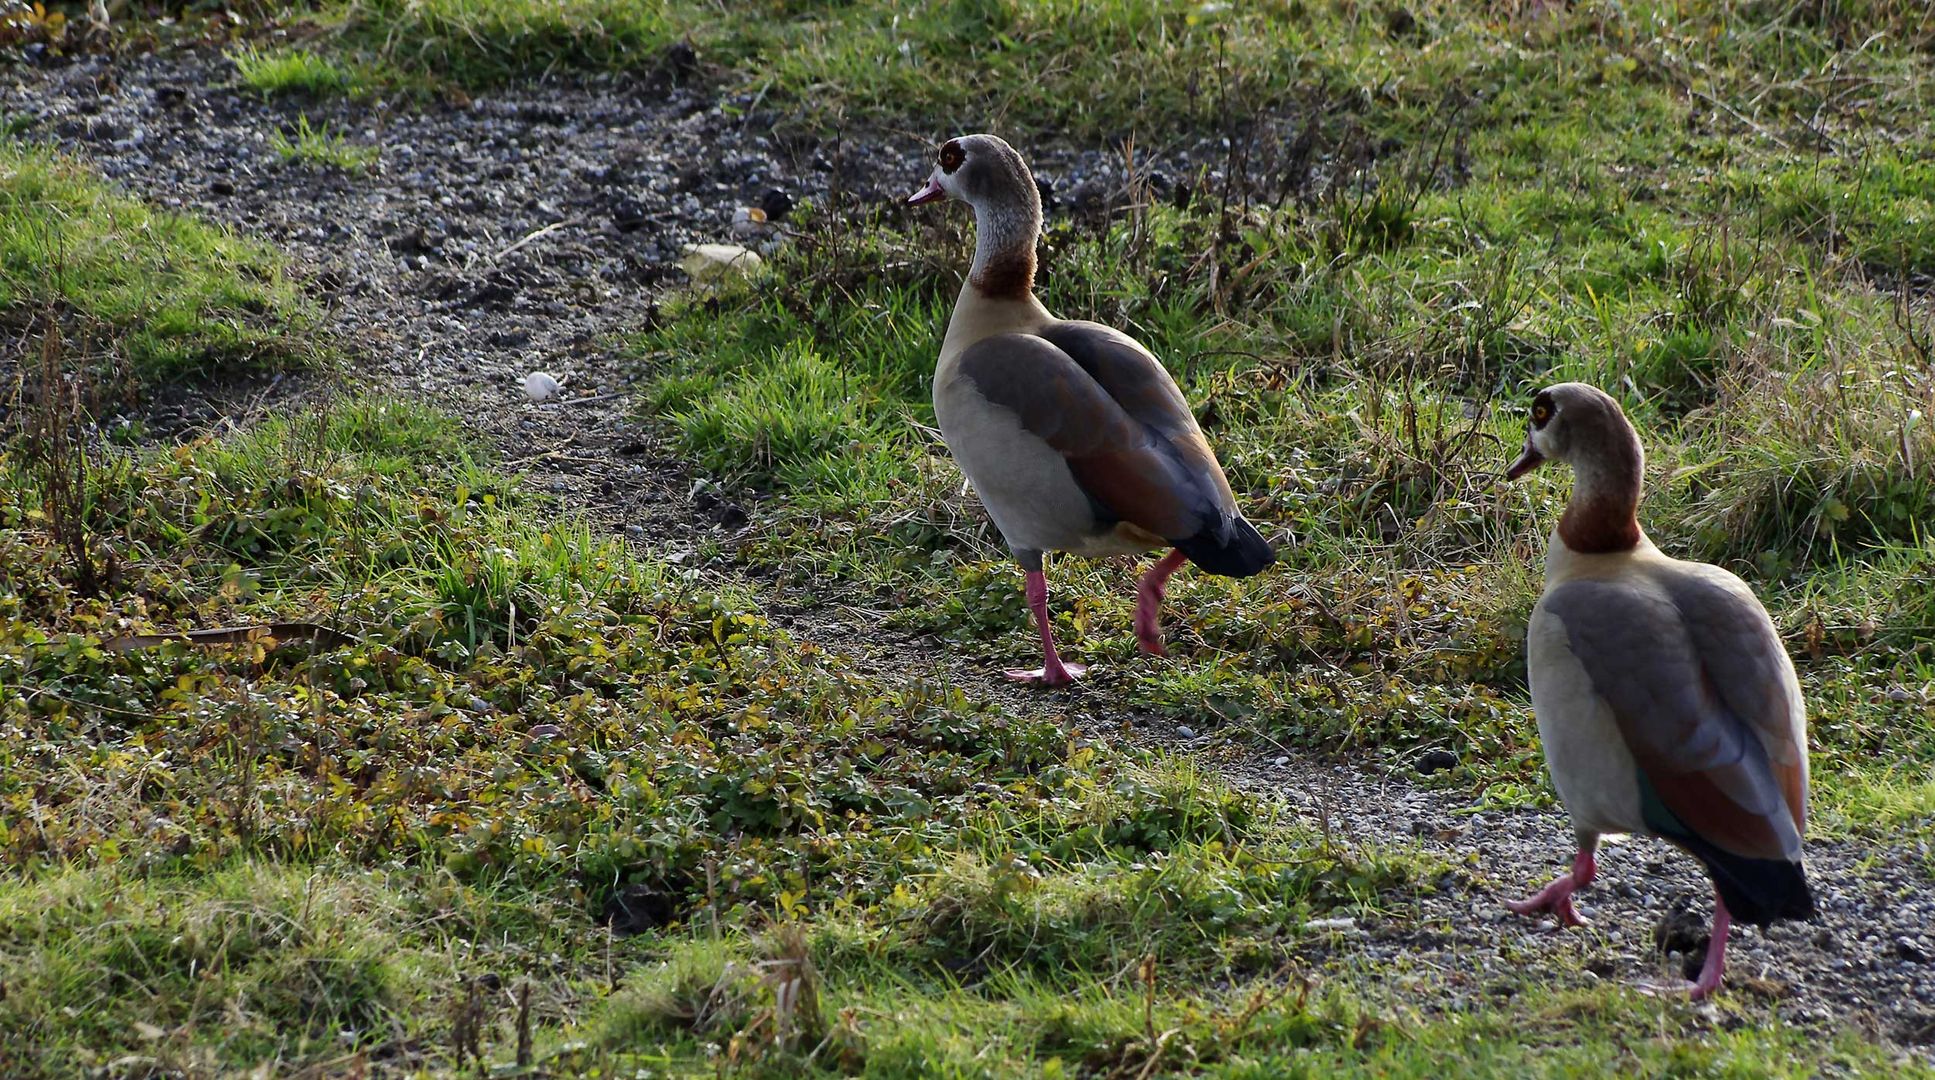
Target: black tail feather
1757,891
1231,548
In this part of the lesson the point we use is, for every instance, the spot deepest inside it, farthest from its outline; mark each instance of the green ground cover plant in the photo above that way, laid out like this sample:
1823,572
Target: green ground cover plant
317,145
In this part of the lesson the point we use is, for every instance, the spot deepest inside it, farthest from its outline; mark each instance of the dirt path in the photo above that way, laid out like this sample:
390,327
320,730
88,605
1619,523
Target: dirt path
524,230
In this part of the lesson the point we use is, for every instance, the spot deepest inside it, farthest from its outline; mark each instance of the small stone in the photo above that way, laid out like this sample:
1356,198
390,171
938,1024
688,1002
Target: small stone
628,215
1912,950
221,186
1186,731
542,386
635,533
1436,761
749,221
712,263
1282,760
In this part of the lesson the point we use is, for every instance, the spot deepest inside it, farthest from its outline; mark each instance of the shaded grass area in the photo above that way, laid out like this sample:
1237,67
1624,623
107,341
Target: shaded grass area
1358,340
158,294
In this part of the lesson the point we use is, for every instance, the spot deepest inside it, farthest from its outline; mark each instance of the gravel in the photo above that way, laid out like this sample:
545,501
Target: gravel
521,230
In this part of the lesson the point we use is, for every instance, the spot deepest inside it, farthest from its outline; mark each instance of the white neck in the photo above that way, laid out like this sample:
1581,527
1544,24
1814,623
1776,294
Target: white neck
998,296
1003,232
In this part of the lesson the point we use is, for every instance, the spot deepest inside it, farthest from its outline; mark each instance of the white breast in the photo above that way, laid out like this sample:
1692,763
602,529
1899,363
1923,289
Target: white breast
1590,764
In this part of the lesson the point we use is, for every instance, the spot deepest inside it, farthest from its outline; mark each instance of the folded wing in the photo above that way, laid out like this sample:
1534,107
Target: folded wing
1131,469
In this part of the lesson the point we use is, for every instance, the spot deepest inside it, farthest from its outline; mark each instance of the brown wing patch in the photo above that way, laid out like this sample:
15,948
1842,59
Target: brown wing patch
1138,382
1704,802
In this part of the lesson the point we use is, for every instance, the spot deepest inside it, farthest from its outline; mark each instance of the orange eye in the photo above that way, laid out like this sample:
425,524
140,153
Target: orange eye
951,157
1541,413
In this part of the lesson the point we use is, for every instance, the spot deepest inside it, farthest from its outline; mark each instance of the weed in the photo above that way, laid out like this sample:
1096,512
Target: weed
53,445
294,71
320,146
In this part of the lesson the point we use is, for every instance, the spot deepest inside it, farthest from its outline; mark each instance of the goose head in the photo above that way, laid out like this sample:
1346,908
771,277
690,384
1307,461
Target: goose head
1579,425
1585,428
987,174
984,172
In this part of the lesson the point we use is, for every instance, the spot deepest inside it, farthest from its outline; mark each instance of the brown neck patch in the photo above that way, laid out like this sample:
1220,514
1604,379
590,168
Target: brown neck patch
1603,515
1007,276
1600,524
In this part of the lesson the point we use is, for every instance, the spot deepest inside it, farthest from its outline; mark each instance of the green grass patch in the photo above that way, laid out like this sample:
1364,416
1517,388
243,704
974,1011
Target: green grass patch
296,71
164,294
321,146
816,1003
481,42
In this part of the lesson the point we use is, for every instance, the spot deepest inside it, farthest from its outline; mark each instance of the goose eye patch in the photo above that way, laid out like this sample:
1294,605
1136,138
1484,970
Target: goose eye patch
951,157
1541,413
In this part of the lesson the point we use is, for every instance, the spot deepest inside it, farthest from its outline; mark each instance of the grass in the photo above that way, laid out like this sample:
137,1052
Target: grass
320,146
1285,1024
479,41
162,294
1358,343
296,71
221,855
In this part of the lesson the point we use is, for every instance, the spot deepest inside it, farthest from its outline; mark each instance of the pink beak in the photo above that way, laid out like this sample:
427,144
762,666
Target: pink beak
1527,461
931,193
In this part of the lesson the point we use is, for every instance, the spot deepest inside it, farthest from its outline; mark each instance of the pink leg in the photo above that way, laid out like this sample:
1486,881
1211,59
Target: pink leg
1557,897
1716,951
1716,962
1052,671
1148,603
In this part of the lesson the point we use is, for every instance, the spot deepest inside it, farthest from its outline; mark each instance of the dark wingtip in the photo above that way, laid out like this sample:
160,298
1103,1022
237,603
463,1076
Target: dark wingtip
1234,550
1760,891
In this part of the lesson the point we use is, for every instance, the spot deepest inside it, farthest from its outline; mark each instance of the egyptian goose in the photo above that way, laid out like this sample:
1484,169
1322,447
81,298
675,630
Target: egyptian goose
1074,436
1665,701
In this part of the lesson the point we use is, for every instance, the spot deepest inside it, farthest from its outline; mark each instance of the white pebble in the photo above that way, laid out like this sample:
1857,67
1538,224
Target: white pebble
539,386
